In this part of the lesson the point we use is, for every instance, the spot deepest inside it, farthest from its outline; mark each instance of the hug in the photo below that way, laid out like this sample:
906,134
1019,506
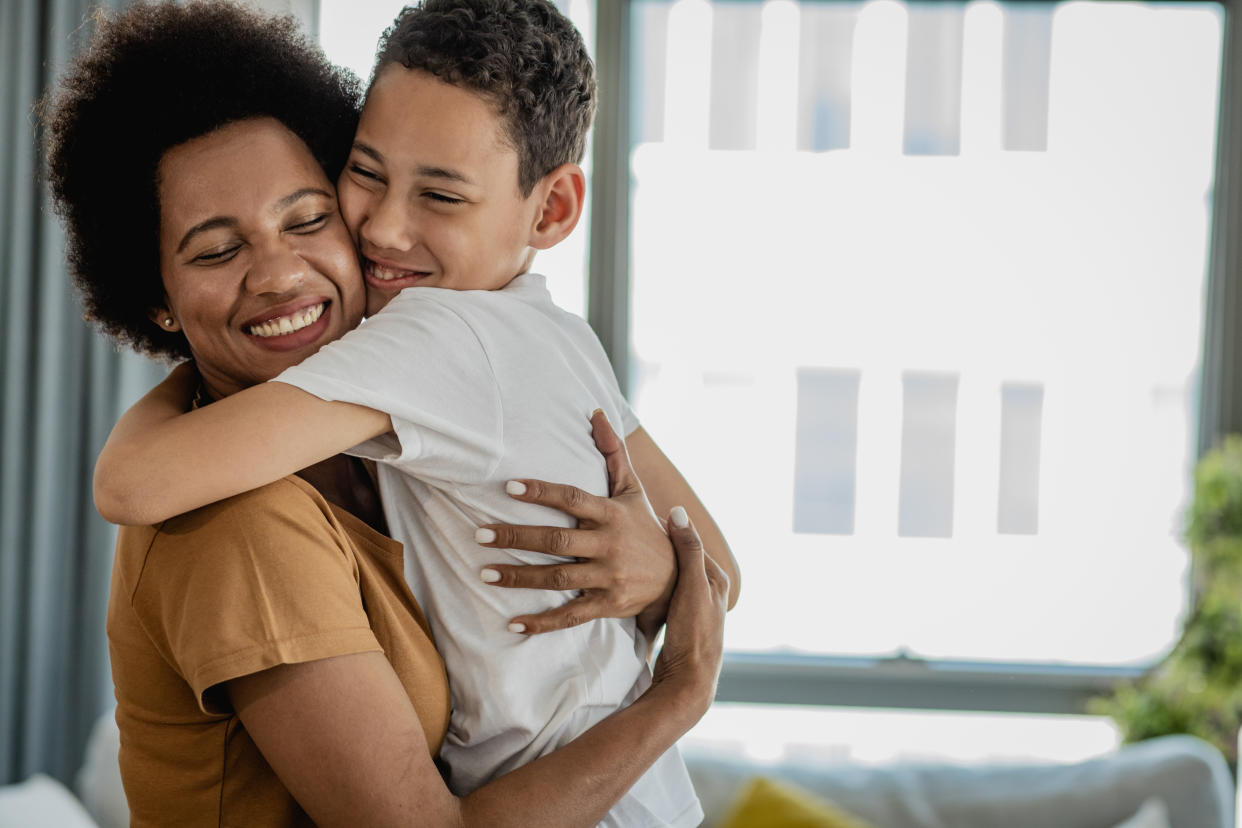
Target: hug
304,635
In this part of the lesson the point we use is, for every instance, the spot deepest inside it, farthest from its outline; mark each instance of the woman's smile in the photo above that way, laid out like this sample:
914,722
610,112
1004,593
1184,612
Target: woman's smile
291,327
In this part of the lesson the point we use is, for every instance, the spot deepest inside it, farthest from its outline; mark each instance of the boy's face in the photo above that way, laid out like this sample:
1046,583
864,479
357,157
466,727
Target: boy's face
430,192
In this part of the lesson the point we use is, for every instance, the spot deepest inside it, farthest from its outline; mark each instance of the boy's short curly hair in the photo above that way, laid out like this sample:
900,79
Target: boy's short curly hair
524,56
155,76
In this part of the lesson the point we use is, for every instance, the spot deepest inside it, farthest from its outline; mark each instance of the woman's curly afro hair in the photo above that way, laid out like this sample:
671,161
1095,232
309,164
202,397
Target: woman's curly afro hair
155,76
524,56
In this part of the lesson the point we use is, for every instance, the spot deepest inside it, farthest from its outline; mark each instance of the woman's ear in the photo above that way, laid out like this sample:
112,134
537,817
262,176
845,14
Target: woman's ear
562,196
164,318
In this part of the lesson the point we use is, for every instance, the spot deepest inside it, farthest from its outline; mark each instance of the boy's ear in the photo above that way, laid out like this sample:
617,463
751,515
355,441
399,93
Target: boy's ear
562,196
164,319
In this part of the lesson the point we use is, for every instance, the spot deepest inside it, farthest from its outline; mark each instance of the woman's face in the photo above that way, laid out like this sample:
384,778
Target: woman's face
259,270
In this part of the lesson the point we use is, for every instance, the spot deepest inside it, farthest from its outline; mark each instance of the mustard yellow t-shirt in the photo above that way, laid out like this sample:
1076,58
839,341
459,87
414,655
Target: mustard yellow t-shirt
273,576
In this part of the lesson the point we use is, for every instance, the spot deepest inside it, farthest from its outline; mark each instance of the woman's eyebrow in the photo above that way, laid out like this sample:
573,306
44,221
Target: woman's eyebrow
298,195
203,227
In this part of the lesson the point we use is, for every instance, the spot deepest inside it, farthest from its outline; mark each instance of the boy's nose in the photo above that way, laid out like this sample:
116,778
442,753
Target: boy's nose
388,225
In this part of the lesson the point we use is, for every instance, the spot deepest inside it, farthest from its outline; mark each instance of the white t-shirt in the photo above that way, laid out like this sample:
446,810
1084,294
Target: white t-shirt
483,387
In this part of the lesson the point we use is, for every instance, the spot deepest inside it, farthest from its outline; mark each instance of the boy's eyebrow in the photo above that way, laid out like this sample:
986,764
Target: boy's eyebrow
225,221
442,172
425,170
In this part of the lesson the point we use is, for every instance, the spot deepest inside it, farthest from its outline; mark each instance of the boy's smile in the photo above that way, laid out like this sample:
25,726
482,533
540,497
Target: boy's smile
430,192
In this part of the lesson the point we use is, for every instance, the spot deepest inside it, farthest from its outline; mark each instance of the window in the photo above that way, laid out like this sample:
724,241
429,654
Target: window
916,303
917,307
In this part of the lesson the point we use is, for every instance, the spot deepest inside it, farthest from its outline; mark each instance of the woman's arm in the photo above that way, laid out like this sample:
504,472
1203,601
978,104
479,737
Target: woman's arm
161,461
342,736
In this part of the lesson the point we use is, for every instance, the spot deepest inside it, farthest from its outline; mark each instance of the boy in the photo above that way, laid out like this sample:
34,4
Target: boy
464,165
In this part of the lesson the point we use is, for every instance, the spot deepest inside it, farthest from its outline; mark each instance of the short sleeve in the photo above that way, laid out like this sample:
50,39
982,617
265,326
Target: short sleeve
255,581
590,346
629,420
420,362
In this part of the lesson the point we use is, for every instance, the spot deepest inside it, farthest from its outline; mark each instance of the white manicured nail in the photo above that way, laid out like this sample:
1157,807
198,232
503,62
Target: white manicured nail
679,517
517,628
484,535
515,487
489,576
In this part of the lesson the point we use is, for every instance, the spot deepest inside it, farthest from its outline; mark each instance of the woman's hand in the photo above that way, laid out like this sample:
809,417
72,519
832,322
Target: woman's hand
626,565
689,662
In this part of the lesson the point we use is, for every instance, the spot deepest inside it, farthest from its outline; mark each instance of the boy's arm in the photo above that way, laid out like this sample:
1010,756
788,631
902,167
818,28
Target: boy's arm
159,462
666,488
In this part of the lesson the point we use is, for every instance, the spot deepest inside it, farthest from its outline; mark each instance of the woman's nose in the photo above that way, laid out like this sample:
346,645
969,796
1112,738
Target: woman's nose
389,224
276,270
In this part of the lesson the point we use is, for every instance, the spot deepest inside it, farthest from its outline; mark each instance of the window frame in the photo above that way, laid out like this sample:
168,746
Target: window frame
902,681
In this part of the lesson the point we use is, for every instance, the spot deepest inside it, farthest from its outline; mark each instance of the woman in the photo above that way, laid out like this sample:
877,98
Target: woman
270,665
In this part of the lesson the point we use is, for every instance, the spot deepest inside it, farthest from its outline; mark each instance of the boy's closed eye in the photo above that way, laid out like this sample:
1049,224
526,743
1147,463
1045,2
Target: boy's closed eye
363,172
441,198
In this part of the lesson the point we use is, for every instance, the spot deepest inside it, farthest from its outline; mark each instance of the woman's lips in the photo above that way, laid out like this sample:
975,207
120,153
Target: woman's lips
292,330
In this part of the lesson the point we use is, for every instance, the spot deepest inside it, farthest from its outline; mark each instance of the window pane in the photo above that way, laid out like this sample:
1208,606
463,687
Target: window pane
826,449
827,737
918,312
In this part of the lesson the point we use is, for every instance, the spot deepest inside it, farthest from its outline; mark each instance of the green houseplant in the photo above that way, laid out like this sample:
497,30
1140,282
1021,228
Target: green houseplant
1197,688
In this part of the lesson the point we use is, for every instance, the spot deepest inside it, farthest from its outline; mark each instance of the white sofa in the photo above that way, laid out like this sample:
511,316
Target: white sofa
1189,776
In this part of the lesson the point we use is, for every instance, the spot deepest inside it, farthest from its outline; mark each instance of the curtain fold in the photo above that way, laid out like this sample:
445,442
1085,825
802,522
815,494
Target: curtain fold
62,387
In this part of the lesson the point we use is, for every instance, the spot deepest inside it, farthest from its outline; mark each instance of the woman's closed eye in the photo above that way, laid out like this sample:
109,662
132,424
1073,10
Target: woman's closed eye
217,255
309,225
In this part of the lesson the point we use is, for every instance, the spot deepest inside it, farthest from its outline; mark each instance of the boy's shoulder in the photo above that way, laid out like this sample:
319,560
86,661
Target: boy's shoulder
526,288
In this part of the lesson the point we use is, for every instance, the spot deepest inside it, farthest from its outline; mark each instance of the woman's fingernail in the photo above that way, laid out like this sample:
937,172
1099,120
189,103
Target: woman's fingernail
517,628
489,576
679,517
515,487
484,535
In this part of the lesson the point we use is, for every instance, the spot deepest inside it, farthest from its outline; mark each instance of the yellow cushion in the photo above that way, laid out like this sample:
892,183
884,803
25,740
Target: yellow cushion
767,803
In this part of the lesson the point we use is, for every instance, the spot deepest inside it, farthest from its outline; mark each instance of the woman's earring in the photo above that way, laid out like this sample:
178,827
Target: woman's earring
168,321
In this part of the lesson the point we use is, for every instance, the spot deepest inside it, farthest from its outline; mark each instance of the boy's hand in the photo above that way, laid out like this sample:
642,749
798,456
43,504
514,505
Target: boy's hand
626,565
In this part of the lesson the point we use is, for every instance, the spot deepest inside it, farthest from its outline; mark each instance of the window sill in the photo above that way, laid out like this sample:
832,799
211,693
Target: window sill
915,683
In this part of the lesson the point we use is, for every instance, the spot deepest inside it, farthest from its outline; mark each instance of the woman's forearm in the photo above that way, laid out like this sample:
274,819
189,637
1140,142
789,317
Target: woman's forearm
342,734
578,783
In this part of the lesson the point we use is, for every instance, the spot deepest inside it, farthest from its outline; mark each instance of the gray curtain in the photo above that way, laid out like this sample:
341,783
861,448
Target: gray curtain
61,388
1220,403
